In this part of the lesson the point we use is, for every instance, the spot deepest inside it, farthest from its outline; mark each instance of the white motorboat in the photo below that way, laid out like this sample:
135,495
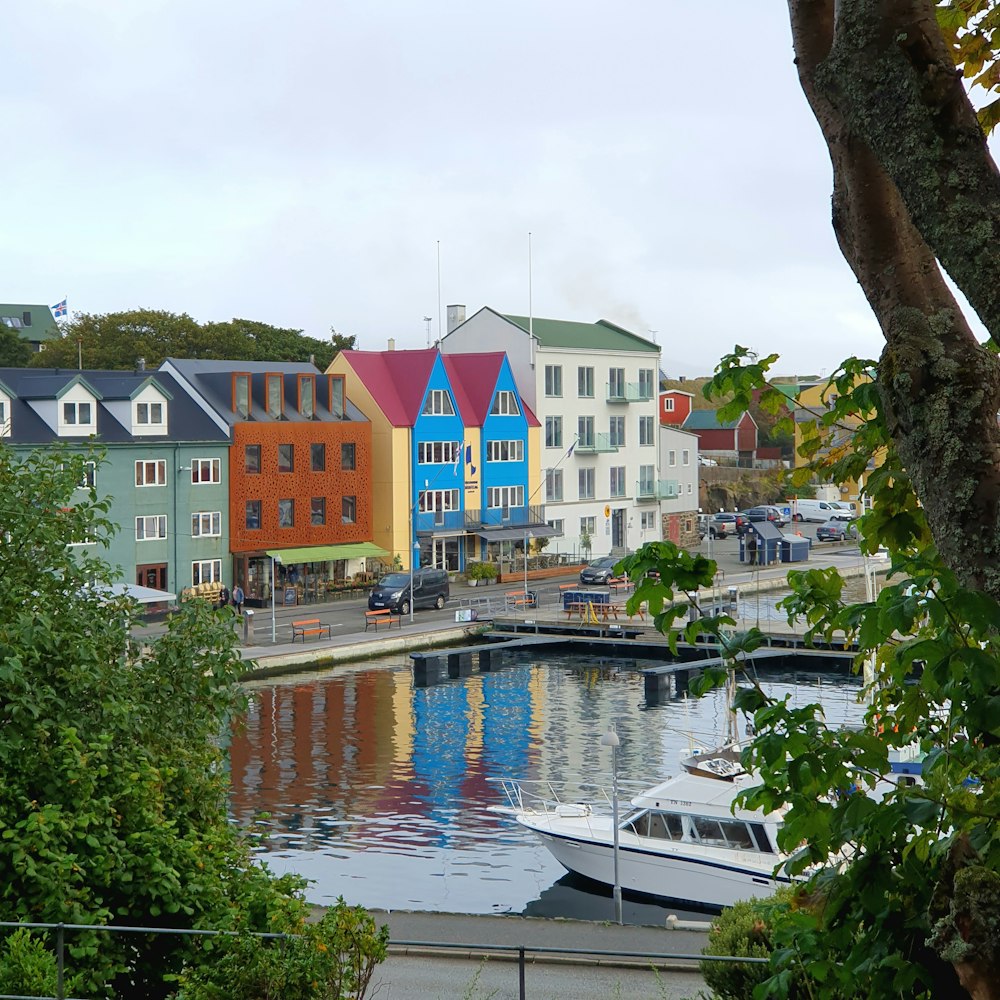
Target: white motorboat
680,840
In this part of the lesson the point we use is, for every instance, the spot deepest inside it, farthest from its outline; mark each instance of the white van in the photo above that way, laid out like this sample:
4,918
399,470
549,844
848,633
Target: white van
819,510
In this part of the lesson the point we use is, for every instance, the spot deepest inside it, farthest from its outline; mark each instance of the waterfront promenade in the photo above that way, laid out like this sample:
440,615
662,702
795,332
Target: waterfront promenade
348,640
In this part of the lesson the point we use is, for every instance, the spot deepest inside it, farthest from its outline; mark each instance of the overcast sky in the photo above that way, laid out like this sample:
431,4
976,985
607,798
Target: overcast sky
300,162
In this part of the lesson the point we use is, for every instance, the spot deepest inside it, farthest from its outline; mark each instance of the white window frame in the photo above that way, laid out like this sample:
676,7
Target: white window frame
646,383
151,473
439,404
647,520
553,485
151,527
206,524
647,431
4,420
668,404
150,414
616,383
206,571
556,524
586,483
553,432
616,431
89,479
588,525
511,450
616,481
585,424
685,457
553,381
505,404
74,407
438,501
647,478
438,452
585,382
503,497
213,467
671,458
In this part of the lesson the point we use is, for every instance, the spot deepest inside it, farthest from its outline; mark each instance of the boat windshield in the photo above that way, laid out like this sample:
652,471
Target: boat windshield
706,830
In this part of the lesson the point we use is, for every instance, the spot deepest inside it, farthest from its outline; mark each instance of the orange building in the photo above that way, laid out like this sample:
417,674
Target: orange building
300,483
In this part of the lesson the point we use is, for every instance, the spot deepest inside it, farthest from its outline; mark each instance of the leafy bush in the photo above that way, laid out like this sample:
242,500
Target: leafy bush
333,959
481,571
742,930
28,968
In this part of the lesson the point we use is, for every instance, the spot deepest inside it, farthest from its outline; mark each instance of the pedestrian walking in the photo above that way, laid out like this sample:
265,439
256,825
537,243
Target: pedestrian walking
238,598
751,547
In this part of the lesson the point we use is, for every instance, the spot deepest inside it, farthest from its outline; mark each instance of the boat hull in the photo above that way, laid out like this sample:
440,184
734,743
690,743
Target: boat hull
676,872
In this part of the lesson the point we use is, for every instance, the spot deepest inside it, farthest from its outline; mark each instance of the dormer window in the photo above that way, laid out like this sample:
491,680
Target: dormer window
505,403
274,391
241,395
78,414
337,406
149,413
307,396
439,403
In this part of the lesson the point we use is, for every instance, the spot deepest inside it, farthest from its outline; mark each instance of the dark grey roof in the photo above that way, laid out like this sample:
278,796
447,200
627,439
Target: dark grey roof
213,379
186,420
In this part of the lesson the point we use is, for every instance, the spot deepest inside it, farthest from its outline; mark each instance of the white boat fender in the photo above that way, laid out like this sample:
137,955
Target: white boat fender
674,923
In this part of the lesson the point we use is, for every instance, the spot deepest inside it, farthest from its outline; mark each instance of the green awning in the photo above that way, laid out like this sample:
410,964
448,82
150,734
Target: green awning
322,553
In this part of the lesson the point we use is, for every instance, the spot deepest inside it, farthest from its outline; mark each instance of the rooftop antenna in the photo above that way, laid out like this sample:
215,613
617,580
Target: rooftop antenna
531,317
427,320
439,294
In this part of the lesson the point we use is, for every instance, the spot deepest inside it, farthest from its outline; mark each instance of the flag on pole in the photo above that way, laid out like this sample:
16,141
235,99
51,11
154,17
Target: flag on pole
458,457
59,309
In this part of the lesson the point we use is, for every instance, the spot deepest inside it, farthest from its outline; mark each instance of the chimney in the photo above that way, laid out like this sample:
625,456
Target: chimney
456,317
392,343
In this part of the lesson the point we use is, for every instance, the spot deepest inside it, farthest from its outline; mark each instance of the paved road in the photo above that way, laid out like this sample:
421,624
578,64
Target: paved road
421,973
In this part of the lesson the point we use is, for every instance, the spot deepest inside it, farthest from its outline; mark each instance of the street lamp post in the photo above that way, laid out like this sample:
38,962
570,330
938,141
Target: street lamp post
610,739
274,580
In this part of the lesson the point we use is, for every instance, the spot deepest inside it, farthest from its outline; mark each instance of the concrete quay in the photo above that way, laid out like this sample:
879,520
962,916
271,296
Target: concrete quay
349,642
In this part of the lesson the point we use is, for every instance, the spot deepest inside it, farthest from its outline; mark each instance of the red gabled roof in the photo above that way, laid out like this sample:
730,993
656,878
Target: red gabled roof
397,380
474,378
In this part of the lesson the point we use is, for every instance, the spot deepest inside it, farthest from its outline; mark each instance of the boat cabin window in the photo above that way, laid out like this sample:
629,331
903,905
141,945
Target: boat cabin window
723,833
760,836
665,826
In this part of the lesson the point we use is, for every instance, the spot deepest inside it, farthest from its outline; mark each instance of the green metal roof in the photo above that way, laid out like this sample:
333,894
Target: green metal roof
708,420
42,325
599,336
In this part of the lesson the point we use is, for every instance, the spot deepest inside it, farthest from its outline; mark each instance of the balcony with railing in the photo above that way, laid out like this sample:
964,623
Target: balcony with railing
429,522
599,444
628,392
504,517
652,490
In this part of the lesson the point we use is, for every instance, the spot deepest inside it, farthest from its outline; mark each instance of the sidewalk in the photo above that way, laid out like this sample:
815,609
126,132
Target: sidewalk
424,629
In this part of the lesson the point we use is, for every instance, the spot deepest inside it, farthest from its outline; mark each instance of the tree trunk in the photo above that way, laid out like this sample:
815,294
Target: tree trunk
913,181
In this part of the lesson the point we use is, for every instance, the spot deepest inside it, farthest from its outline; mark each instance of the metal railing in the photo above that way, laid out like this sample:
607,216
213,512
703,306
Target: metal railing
468,949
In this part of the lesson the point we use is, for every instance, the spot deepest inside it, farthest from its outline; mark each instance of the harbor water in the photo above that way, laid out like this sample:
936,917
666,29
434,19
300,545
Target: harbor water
377,790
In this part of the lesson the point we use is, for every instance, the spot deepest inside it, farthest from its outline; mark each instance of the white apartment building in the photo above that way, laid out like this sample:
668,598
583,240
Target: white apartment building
594,388
679,468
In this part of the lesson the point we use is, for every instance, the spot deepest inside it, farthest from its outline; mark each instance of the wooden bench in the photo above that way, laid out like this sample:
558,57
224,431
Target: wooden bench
517,599
387,615
309,626
617,582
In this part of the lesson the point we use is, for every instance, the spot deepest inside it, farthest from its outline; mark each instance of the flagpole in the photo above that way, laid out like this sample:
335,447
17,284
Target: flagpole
531,323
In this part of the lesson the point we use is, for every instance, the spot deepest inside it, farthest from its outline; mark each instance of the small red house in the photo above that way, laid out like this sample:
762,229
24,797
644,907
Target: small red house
675,405
734,437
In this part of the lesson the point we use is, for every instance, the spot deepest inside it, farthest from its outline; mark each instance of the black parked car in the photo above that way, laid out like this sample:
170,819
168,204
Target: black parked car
599,571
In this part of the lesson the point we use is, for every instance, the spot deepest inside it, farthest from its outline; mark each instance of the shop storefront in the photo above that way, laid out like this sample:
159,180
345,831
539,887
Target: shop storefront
307,575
